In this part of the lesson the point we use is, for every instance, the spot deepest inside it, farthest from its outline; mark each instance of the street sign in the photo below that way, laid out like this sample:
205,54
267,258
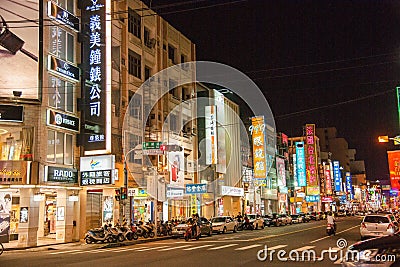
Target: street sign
153,152
151,145
195,188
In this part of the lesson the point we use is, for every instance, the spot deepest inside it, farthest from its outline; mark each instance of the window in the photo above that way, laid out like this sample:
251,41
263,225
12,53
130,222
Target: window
147,73
134,64
67,4
134,23
59,147
173,123
134,140
134,107
62,44
61,94
171,53
147,41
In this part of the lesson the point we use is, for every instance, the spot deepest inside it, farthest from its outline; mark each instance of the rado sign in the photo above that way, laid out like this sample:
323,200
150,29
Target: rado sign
63,175
63,68
62,120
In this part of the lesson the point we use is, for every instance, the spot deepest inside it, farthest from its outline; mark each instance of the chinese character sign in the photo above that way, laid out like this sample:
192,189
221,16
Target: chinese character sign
349,186
337,176
97,81
311,160
394,168
196,188
301,164
257,130
211,135
328,180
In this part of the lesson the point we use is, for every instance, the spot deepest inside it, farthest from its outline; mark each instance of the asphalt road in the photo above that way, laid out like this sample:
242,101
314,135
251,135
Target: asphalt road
232,249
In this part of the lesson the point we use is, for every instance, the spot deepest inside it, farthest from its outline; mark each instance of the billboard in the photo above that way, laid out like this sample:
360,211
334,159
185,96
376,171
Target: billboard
311,161
176,167
328,180
220,106
349,186
301,164
19,49
337,176
281,173
394,168
97,86
211,135
257,130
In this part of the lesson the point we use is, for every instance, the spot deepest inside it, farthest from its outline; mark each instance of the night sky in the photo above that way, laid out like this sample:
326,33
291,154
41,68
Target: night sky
332,63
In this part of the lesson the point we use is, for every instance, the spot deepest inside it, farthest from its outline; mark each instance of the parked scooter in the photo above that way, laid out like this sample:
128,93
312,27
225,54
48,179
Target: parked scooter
164,229
150,229
140,230
102,234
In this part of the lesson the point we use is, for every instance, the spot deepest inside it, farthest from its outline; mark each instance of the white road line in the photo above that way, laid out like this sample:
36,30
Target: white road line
166,249
146,249
277,247
127,249
319,239
62,252
248,247
304,248
221,247
204,246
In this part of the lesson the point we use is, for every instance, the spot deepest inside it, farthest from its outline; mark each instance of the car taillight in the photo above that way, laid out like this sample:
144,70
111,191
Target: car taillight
390,226
363,225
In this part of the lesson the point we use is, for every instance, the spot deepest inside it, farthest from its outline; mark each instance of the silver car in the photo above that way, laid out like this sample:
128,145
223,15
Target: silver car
376,225
223,224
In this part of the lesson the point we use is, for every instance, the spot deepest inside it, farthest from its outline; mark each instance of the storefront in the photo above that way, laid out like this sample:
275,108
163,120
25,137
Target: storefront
232,199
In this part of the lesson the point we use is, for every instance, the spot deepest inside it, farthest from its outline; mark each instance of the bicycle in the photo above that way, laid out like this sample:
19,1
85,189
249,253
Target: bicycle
1,248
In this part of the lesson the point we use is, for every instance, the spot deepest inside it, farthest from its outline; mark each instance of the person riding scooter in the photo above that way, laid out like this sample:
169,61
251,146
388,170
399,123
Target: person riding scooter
331,221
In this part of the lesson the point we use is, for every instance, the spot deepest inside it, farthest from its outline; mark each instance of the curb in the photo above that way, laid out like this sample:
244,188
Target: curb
40,246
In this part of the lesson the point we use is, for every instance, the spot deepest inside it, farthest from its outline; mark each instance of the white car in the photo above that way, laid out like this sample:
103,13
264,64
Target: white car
223,224
256,220
375,225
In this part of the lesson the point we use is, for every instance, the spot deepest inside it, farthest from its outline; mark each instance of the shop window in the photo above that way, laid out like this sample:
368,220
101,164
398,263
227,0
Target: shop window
61,94
59,147
11,147
66,4
62,44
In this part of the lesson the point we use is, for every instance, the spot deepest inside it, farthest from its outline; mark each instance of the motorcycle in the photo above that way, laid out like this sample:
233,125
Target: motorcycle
164,229
330,229
128,233
190,235
150,229
102,234
140,230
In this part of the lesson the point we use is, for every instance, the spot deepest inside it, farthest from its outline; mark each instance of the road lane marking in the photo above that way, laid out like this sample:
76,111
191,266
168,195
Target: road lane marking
62,252
146,249
221,247
248,247
322,238
288,233
166,249
204,246
126,249
303,248
277,247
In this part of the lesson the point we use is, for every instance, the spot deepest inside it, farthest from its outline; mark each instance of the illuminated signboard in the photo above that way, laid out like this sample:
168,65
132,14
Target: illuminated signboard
311,161
63,68
328,180
62,120
281,173
63,16
97,170
97,86
257,130
337,176
394,168
349,187
220,106
301,164
211,135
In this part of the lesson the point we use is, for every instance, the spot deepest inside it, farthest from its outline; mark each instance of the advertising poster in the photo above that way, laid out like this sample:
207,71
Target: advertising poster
20,30
221,151
394,168
177,168
5,210
108,206
280,166
24,215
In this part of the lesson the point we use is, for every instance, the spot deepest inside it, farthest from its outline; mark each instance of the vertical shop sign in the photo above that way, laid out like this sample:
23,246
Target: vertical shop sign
311,161
349,186
394,169
211,135
328,180
337,176
257,130
301,164
97,86
280,167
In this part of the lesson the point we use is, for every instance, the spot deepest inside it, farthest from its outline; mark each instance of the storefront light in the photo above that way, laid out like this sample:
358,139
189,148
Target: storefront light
38,197
73,198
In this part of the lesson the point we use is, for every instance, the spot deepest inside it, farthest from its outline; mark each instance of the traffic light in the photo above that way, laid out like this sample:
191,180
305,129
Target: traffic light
123,193
117,194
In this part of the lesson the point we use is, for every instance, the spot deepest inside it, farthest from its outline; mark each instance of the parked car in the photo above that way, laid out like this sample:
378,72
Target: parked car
341,213
286,219
376,249
305,216
296,218
268,220
180,229
223,224
276,220
256,220
376,225
315,216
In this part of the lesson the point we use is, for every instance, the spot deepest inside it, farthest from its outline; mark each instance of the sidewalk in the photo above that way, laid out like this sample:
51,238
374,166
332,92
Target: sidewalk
52,244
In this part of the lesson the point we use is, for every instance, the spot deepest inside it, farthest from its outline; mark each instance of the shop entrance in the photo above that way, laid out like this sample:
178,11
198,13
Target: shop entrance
94,210
50,216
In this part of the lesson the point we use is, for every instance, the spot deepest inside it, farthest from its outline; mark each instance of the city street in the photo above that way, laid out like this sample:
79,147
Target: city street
232,249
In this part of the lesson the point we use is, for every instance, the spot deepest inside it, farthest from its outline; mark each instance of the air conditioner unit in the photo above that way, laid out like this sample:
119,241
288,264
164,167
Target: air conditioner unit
152,42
